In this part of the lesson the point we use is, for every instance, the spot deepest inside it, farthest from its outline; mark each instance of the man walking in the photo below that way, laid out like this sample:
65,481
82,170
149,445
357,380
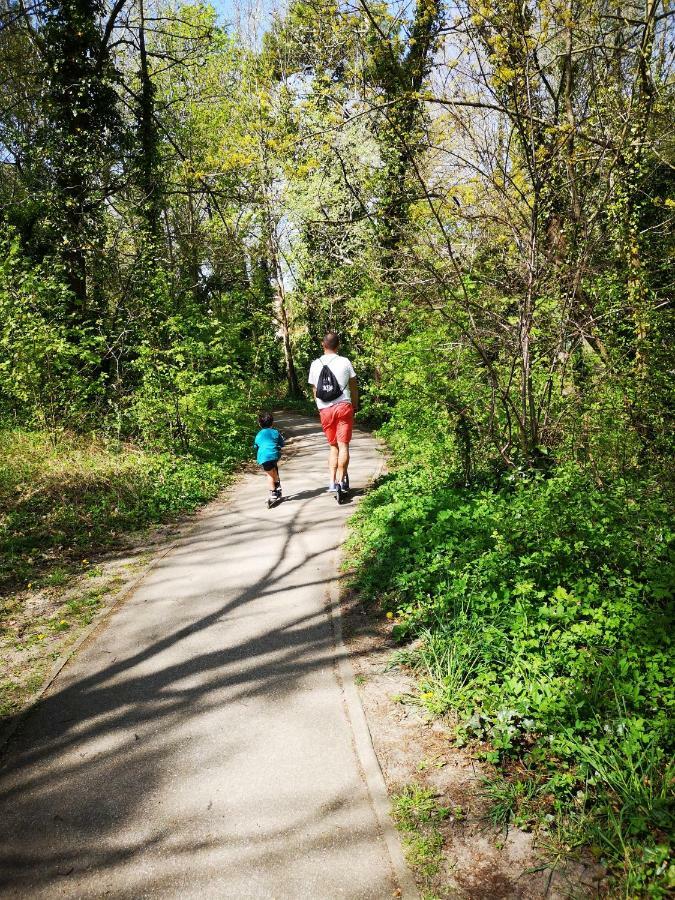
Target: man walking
336,392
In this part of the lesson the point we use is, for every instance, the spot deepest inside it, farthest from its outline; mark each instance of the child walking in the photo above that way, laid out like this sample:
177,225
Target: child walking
268,443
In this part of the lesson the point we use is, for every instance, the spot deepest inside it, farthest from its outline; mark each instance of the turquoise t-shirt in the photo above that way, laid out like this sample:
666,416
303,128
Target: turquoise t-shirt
268,442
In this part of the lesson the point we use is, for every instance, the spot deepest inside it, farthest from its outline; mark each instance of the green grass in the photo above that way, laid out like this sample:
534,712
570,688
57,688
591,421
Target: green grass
418,815
541,612
29,650
65,498
512,802
13,693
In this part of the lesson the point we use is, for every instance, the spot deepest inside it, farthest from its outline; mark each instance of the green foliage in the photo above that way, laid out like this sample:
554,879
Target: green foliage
47,359
65,497
79,139
192,394
543,612
135,299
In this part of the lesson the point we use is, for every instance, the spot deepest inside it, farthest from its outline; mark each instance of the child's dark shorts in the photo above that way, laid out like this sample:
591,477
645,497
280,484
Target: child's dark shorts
268,466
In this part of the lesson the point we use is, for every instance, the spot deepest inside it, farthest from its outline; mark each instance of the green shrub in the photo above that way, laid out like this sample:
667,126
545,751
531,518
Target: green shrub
542,610
49,369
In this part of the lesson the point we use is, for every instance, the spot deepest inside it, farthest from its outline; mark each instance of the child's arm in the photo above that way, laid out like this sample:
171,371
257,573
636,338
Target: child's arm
282,440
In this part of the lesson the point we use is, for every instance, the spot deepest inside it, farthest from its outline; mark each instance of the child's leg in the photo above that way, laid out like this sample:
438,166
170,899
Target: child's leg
272,478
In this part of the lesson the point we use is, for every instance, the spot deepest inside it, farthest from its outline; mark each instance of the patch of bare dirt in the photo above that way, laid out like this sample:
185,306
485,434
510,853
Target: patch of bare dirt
479,861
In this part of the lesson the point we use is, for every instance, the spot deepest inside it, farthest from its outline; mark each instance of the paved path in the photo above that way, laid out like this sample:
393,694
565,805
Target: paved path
202,744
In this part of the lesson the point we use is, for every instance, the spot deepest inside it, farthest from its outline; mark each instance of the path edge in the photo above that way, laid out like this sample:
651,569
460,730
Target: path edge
363,741
185,528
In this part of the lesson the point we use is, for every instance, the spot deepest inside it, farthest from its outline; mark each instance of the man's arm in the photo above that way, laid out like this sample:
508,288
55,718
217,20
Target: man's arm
354,391
311,379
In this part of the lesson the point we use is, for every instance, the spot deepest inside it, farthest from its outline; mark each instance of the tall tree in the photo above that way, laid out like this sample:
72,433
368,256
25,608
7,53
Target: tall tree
149,175
398,63
78,143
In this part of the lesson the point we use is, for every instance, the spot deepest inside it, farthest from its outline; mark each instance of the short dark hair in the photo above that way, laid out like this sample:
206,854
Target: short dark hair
331,340
265,419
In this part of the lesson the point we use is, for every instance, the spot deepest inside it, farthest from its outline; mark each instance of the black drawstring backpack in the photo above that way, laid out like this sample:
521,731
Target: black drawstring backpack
327,387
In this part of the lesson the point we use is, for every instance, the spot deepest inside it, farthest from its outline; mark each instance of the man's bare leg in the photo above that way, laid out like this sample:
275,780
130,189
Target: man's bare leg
333,462
342,461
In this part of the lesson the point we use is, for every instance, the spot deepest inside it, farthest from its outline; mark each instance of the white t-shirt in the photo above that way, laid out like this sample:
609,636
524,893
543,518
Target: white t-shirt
343,371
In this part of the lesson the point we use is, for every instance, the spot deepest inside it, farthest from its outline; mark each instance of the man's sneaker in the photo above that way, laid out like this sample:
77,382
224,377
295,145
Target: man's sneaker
332,487
345,484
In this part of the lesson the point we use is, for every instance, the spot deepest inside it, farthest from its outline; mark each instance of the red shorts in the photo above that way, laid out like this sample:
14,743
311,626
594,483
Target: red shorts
337,422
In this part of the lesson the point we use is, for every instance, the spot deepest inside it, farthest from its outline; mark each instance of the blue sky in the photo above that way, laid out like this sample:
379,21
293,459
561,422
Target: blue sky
226,8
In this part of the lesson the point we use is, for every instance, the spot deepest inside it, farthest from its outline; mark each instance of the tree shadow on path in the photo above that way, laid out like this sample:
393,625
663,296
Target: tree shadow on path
82,774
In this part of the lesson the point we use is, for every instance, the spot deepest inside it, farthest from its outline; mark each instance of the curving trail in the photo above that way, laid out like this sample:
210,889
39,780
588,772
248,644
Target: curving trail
207,741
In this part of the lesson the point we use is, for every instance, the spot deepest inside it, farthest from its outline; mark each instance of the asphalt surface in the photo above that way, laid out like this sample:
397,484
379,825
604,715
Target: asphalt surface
200,745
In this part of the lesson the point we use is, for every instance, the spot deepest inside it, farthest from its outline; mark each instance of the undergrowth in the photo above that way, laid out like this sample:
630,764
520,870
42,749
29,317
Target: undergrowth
541,610
65,496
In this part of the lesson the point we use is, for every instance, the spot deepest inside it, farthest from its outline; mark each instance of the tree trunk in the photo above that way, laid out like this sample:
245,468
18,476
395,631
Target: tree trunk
148,176
282,306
